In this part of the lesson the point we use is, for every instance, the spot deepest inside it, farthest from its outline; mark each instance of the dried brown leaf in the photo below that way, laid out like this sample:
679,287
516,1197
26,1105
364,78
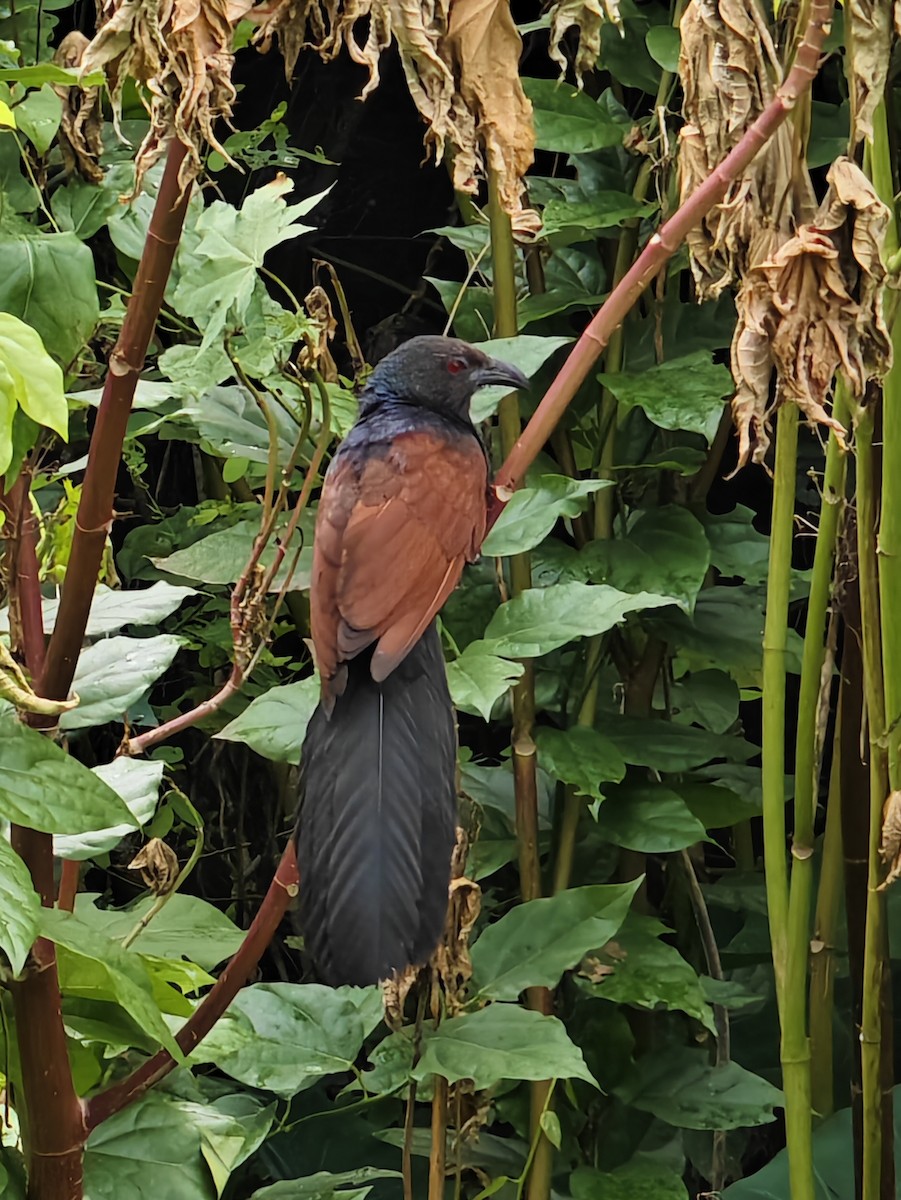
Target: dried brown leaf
869,25
317,352
588,16
181,50
81,124
158,865
890,844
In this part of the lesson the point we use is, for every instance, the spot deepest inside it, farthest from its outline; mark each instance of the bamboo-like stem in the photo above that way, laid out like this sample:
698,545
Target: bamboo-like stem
438,1155
664,243
822,959
790,990
525,779
873,965
26,617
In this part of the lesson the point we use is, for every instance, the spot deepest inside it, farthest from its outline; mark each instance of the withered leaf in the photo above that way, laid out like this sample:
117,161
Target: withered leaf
869,25
81,123
588,16
158,865
890,843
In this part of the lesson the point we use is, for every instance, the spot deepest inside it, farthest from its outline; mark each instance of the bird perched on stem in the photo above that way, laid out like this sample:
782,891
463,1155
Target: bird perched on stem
403,509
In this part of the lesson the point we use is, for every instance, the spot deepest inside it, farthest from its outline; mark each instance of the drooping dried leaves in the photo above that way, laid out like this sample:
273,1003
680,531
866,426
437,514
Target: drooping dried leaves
461,63
81,123
809,279
890,843
588,16
869,25
181,50
158,866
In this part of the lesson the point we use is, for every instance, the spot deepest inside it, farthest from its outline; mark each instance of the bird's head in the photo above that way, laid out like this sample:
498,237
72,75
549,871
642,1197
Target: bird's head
439,373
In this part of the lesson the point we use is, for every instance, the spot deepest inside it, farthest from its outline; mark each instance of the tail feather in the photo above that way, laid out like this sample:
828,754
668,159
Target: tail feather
375,827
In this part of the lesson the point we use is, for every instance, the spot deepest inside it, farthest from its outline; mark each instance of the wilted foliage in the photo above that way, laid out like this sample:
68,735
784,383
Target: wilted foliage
870,32
81,122
589,17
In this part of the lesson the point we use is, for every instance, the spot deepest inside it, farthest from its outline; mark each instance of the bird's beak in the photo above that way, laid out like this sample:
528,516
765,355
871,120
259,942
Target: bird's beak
499,374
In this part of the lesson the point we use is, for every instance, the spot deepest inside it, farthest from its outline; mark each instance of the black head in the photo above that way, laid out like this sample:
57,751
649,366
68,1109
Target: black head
439,373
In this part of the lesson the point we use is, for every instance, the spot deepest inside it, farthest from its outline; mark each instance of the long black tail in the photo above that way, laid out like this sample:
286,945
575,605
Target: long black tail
375,827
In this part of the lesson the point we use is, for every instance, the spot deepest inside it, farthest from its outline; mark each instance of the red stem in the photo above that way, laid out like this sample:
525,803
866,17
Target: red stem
26,613
661,247
283,888
68,884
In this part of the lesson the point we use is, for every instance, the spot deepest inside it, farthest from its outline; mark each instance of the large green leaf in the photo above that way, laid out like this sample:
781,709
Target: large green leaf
20,907
650,818
29,380
667,746
220,557
568,120
502,1041
115,672
284,1036
602,210
478,678
683,393
48,281
113,609
637,968
185,927
682,1087
274,723
38,117
325,1186
120,974
736,548
536,942
533,512
229,422
138,783
164,1146
640,1179
542,619
665,551
528,351
581,757
45,789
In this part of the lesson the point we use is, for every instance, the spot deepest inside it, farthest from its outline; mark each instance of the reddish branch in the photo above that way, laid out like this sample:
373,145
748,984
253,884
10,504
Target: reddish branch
661,247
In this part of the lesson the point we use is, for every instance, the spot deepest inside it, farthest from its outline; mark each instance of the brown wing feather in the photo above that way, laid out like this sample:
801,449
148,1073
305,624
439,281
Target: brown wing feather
391,542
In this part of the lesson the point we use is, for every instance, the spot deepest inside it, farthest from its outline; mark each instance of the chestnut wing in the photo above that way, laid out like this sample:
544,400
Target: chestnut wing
392,536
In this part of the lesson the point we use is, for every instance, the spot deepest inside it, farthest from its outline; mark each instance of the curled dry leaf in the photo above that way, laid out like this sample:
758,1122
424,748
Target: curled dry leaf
317,352
729,71
451,962
81,123
890,844
869,24
182,51
588,16
158,865
814,307
461,63
16,689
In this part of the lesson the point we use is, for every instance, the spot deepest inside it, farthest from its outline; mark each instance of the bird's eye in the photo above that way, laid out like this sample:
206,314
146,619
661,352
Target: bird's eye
456,365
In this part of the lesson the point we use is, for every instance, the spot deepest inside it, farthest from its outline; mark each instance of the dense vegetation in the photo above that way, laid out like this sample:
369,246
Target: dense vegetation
678,645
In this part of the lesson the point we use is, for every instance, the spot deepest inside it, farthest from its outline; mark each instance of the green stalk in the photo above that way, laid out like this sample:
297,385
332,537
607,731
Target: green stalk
795,1044
871,1016
794,1051
525,782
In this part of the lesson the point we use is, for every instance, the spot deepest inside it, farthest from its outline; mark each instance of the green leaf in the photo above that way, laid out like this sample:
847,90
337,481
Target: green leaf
38,117
84,208
48,282
581,757
550,1126
664,43
274,724
230,423
649,817
568,120
542,619
113,609
528,351
20,908
325,1186
502,1041
138,783
737,550
185,927
533,511
478,679
43,788
639,969
684,393
121,973
667,746
284,1036
536,942
718,807
708,698
639,1179
220,557
604,210
17,193
115,672
665,551
30,379
681,1087
46,72
7,116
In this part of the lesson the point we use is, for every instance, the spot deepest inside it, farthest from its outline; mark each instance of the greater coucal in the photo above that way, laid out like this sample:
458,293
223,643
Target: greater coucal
403,508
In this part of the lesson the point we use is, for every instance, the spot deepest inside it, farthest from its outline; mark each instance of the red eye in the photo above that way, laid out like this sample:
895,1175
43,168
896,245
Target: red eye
456,365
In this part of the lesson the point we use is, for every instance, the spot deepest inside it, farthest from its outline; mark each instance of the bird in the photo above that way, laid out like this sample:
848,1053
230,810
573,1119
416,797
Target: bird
402,510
